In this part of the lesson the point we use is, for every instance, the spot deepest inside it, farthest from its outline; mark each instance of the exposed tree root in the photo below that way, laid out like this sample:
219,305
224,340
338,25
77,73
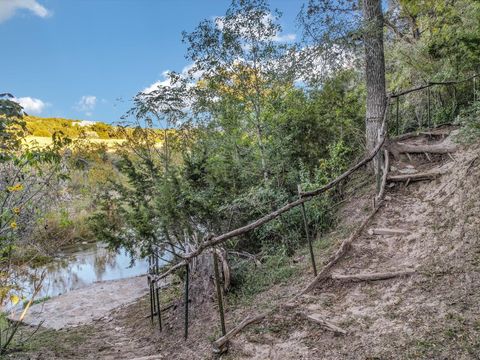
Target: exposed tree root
373,276
386,168
324,273
447,146
220,344
385,231
327,325
431,175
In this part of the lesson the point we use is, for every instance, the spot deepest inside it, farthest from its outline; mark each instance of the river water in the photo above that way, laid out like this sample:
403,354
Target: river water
82,265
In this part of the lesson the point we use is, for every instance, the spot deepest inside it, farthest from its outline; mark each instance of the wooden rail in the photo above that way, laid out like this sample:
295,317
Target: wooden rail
212,241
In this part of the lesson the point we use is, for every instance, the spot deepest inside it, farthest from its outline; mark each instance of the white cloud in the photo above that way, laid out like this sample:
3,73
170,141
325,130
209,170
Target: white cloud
31,105
86,104
8,8
284,38
166,81
156,84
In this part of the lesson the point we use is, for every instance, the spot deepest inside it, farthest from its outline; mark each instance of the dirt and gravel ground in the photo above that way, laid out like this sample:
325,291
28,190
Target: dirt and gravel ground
83,306
433,314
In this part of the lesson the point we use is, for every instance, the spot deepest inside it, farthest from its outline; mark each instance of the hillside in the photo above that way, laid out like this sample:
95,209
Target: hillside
41,130
430,313
46,127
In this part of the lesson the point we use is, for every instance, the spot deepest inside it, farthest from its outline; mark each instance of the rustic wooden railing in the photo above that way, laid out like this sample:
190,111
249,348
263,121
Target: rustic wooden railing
211,241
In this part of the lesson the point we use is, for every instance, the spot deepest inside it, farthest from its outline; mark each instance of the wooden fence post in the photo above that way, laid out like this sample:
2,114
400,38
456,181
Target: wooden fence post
150,286
305,223
218,285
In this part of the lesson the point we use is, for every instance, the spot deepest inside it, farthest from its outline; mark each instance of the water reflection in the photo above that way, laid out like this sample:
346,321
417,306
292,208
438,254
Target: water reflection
83,265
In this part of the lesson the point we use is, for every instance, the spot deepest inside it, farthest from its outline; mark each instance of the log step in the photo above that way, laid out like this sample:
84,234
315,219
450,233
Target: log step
385,231
372,276
415,177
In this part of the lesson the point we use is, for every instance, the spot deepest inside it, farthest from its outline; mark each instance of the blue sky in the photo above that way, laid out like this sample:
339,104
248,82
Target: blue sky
84,59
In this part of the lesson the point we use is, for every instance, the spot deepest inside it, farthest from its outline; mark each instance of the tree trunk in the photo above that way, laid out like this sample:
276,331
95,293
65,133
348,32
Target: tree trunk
374,69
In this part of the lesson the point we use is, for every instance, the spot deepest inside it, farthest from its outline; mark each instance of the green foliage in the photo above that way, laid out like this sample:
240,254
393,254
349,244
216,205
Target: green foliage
12,128
439,41
250,279
26,187
469,119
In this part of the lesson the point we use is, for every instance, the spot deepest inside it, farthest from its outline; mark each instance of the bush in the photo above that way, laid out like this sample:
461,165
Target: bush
61,228
248,279
469,120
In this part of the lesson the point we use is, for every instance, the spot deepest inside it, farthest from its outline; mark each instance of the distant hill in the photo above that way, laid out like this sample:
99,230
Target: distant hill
46,127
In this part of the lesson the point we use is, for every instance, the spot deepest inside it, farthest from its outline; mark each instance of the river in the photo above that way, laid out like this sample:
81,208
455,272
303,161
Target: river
82,265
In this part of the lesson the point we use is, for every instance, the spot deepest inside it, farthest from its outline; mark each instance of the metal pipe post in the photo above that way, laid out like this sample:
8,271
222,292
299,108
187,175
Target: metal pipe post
219,293
187,275
309,240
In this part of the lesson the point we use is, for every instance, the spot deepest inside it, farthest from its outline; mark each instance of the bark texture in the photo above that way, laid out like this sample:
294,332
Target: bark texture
374,69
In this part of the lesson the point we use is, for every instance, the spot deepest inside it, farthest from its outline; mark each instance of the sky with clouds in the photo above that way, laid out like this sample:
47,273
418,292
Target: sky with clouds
86,59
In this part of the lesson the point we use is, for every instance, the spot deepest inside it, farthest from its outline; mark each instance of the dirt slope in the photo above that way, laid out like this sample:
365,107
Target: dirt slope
433,314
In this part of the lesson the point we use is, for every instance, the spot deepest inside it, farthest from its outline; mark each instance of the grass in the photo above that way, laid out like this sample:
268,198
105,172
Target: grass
65,342
277,268
27,339
249,279
38,301
31,256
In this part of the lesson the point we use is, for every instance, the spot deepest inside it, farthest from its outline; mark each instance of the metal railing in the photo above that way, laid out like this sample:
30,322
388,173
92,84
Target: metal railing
438,104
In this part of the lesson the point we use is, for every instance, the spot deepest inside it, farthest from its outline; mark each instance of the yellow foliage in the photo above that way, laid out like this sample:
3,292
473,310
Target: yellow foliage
14,299
17,187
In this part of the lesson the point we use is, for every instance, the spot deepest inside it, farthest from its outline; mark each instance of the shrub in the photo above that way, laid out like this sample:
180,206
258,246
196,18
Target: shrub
469,119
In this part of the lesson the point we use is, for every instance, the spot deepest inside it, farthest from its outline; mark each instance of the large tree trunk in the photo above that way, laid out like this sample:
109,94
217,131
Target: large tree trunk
374,69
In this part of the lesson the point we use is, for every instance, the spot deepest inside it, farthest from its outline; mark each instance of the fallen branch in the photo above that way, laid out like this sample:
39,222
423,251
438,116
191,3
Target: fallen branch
431,175
385,231
327,325
373,276
219,344
211,240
